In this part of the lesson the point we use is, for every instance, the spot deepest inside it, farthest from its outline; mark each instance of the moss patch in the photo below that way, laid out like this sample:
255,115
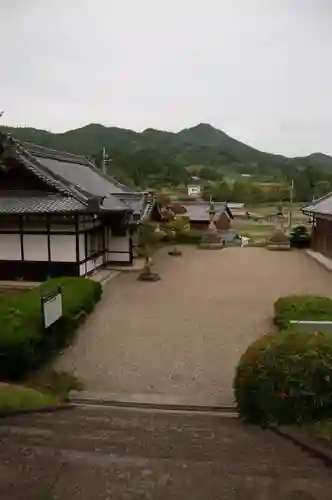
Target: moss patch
321,429
16,397
58,384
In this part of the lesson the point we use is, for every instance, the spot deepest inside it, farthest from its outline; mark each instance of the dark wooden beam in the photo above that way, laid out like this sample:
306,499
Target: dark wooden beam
48,230
21,236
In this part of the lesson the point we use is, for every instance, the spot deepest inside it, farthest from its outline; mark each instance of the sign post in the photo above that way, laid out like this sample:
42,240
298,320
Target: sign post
52,307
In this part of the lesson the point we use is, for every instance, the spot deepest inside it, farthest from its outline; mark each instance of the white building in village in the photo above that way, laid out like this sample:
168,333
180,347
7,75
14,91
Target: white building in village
62,216
194,190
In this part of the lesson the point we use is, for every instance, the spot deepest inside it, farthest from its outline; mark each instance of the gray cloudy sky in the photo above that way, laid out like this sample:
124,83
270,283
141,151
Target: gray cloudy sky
258,69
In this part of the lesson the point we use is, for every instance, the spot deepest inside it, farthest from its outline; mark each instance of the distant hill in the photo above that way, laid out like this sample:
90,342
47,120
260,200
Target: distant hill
93,137
156,156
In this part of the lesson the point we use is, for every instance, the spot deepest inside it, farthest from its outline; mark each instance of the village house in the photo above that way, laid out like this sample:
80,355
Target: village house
198,213
62,216
321,213
238,209
194,190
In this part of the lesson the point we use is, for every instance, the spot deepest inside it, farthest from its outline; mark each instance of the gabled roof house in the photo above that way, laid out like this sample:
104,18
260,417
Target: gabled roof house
62,216
198,213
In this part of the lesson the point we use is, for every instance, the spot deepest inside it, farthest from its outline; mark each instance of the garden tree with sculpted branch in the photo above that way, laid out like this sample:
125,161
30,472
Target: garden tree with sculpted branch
177,225
147,239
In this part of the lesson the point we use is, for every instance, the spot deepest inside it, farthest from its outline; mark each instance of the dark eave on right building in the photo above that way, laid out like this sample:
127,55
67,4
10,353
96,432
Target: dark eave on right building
322,206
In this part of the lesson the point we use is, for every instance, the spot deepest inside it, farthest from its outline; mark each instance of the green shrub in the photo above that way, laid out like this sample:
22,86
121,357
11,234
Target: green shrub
285,378
188,237
299,237
302,307
24,343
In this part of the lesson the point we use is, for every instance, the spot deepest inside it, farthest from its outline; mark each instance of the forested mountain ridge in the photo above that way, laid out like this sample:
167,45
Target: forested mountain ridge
91,138
156,157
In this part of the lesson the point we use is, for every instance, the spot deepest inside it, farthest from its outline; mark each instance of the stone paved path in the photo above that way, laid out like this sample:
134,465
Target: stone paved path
181,338
108,454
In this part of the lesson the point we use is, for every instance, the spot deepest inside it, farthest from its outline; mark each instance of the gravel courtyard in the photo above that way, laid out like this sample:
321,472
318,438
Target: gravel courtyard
178,340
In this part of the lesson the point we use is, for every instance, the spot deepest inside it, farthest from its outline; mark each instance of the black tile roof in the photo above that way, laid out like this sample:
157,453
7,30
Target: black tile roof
74,176
21,203
133,200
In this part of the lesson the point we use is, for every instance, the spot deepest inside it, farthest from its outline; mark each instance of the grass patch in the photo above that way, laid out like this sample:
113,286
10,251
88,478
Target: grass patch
321,429
58,384
7,292
16,397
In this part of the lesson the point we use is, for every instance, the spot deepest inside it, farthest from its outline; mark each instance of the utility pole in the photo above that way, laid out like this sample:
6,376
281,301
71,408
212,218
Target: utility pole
291,196
104,161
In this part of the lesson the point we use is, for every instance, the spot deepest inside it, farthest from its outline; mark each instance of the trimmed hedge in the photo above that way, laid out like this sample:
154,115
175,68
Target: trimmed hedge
301,307
24,343
300,237
285,378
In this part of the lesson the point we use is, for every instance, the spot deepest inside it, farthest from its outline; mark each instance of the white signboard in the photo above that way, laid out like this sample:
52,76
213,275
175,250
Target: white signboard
52,309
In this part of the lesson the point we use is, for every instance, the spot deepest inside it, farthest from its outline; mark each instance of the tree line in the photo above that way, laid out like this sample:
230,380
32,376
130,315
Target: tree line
149,168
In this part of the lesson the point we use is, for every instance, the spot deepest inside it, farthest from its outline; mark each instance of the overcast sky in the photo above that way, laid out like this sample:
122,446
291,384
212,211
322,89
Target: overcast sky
258,69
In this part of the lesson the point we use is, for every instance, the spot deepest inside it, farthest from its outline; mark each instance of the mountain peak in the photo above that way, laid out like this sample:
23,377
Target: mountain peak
203,126
203,134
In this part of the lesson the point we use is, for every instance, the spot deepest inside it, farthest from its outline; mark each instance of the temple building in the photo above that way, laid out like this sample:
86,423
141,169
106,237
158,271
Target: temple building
62,216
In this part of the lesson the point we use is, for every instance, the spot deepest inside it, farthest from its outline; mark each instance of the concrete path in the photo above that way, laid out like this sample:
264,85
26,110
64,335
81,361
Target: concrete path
178,340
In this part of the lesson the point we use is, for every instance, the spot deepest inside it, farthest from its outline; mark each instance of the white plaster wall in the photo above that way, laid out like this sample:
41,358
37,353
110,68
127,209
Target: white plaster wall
118,248
10,247
118,243
82,270
81,246
118,257
91,265
35,247
63,248
100,260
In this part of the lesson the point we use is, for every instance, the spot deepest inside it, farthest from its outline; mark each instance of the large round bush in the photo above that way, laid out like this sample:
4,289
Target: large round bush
285,378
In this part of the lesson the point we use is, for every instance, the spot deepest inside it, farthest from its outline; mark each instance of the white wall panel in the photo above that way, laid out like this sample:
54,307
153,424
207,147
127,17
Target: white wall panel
118,244
10,247
35,247
93,264
63,248
118,257
118,248
90,266
81,246
82,270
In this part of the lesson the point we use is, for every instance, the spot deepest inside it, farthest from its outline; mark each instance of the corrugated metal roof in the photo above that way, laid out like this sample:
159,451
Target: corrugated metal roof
23,203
